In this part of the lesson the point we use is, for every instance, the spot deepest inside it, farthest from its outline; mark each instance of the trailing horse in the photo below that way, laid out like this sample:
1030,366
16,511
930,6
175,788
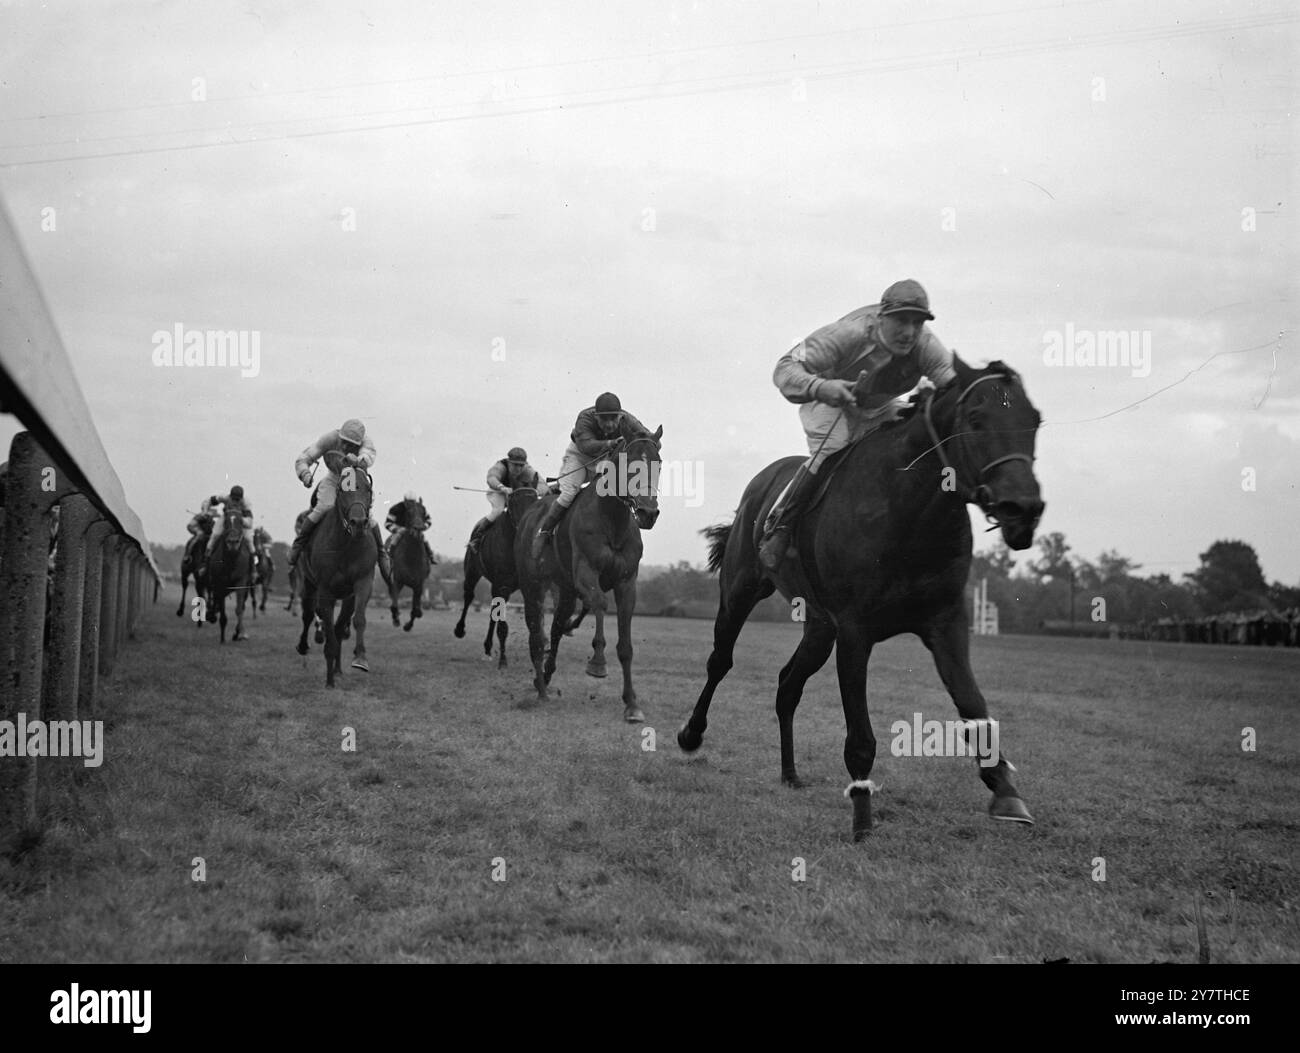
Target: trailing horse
595,548
495,560
194,564
410,568
265,566
230,569
338,564
884,549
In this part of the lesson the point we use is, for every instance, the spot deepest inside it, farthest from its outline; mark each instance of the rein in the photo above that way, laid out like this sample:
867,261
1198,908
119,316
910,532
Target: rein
979,494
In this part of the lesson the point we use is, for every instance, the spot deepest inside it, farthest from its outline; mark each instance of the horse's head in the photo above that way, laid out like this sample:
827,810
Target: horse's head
990,446
352,503
232,527
418,516
519,501
632,476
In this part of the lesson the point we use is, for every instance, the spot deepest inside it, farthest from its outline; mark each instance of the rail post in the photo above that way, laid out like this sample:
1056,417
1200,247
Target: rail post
88,682
108,607
22,627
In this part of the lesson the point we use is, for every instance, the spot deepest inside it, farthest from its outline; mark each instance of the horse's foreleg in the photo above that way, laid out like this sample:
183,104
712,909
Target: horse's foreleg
852,651
184,585
533,601
564,602
241,600
325,612
308,614
625,598
499,623
811,654
586,584
949,644
737,598
221,604
472,576
361,598
394,598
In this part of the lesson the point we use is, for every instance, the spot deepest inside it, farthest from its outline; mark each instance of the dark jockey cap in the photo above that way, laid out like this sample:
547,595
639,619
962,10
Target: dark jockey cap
236,493
905,297
517,455
608,405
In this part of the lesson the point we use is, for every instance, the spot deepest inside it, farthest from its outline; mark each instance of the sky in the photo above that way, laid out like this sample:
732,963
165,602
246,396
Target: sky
461,223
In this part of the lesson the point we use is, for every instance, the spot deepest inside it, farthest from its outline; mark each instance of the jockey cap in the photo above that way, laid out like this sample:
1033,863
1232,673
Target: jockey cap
353,431
517,455
608,405
905,297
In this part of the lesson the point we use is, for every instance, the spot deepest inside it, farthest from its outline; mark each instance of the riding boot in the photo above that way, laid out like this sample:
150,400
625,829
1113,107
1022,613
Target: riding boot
552,517
781,521
476,535
300,542
385,561
429,552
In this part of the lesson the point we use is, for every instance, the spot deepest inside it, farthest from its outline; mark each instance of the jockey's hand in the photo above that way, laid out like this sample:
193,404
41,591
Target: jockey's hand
835,392
351,460
305,477
506,491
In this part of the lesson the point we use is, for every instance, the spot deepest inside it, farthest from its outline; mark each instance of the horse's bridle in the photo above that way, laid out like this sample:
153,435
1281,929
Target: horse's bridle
339,504
979,494
627,500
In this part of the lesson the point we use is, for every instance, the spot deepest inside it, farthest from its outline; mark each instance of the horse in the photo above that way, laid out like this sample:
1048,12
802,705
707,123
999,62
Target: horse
194,563
595,548
338,564
883,549
495,560
410,566
265,566
230,569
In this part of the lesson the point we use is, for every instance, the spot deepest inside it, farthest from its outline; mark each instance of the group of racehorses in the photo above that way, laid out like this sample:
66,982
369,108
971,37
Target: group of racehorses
232,569
883,548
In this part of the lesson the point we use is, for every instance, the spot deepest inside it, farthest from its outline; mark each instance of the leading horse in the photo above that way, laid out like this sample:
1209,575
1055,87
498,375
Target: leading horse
596,548
230,569
886,549
338,566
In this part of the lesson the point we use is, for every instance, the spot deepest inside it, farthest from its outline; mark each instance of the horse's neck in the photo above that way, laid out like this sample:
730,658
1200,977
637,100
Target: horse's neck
616,515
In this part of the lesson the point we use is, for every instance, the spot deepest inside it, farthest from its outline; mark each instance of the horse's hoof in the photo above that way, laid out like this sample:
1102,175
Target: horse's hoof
301,648
320,636
459,632
792,780
362,664
407,627
598,671
1011,810
632,715
689,740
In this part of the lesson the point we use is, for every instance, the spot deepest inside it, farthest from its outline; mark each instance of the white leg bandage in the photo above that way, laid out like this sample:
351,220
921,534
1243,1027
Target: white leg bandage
861,784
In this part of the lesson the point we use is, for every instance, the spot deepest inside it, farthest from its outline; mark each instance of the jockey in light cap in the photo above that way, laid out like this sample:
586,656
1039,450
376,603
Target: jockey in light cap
847,376
399,521
357,451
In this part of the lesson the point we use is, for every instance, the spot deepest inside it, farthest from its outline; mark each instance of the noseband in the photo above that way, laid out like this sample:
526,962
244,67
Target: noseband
979,494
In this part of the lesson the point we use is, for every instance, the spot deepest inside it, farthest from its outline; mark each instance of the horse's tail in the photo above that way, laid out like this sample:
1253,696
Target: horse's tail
717,535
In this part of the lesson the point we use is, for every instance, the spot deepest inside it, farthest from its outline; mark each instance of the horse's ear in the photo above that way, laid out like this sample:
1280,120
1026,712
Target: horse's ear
659,433
965,373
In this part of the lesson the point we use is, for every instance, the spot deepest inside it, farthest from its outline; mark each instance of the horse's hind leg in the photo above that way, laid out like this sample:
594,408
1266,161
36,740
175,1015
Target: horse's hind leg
499,623
472,576
852,652
949,644
738,597
308,614
184,584
811,654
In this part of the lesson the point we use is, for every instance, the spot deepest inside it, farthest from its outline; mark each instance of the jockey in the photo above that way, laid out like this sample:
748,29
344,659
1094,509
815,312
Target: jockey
199,526
600,429
846,377
512,472
233,499
358,451
397,524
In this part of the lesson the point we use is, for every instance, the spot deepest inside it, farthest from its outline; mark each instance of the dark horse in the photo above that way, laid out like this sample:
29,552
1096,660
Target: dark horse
265,566
595,548
495,560
194,564
230,569
410,567
887,550
338,564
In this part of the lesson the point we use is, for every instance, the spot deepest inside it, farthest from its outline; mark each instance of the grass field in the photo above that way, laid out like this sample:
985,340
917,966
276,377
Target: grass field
1126,752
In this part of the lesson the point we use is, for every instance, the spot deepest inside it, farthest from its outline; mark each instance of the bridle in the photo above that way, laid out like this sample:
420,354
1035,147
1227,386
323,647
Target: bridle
342,507
979,494
629,500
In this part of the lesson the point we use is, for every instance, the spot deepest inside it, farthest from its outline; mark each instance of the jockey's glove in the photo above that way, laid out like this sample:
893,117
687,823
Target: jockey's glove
835,392
305,477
